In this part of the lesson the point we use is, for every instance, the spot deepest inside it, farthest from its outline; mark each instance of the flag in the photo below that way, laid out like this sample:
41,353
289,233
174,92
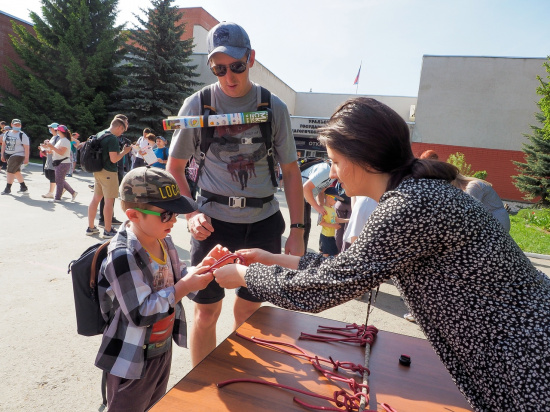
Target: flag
357,78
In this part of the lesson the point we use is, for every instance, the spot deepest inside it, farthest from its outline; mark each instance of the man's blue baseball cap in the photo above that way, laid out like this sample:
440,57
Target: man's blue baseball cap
228,38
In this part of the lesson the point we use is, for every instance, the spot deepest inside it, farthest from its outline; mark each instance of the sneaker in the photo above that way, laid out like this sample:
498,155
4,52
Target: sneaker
6,192
48,195
75,194
409,317
23,189
91,232
70,175
114,222
109,235
54,201
91,187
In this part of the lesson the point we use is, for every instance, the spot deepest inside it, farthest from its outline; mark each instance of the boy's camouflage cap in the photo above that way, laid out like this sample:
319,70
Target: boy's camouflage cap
156,187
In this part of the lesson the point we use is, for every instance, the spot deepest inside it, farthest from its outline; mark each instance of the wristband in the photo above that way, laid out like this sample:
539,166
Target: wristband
297,226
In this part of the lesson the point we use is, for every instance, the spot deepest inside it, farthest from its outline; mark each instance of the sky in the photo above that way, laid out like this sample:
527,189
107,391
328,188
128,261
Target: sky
319,45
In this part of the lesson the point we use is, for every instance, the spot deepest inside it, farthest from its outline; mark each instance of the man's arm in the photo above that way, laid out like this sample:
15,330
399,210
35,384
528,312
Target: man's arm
115,157
27,149
308,195
198,223
294,198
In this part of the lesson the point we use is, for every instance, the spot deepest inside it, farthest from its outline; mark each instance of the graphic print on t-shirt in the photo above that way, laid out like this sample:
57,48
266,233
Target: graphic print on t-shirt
239,158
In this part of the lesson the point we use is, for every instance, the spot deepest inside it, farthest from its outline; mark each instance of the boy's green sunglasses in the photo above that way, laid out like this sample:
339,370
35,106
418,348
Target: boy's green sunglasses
165,216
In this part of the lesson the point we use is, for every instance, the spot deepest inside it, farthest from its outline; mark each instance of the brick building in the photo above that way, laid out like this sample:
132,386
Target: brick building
7,52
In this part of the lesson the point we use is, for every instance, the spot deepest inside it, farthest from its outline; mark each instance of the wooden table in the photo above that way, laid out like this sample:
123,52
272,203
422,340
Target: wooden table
424,386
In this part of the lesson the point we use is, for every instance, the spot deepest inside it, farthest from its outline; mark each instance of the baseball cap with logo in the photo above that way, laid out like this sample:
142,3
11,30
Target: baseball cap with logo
228,38
53,125
156,187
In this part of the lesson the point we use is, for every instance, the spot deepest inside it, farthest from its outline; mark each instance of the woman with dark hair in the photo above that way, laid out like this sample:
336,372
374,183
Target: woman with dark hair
61,160
480,302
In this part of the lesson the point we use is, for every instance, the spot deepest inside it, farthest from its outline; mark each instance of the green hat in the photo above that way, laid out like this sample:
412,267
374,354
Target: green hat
156,187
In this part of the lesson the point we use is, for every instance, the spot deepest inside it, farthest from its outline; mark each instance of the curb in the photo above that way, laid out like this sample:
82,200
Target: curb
537,256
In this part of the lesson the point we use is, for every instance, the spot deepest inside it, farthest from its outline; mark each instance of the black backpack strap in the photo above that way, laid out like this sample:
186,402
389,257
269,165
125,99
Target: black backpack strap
207,133
267,132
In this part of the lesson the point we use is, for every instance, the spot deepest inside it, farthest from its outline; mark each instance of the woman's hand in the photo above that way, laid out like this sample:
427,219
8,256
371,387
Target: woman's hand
230,276
256,256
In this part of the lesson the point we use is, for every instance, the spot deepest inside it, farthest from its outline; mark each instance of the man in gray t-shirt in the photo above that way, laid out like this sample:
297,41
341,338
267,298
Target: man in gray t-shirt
235,171
16,146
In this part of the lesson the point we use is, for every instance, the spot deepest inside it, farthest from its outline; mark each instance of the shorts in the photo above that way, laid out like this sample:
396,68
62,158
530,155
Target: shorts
106,184
50,175
14,163
265,234
327,245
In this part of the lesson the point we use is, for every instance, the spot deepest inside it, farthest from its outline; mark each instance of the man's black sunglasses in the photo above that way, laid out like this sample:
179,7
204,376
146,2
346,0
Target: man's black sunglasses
239,67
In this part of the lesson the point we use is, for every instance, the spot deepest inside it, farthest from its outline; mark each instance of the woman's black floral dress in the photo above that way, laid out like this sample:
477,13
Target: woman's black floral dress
481,303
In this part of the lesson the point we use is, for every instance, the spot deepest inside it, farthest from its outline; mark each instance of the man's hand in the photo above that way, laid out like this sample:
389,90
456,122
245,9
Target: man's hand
199,226
320,209
295,243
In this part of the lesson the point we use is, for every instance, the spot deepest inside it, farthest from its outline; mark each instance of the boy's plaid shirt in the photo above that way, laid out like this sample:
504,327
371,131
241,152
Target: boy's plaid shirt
127,285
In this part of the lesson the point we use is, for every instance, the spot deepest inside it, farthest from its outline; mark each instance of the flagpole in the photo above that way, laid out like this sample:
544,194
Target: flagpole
357,78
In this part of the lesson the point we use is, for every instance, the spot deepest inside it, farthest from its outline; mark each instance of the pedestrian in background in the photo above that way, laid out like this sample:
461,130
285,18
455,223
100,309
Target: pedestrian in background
61,160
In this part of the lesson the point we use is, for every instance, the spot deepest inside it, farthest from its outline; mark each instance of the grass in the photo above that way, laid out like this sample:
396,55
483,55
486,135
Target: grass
531,230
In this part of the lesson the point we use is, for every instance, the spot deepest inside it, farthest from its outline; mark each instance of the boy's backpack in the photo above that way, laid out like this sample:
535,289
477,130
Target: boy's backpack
306,162
91,154
207,133
84,272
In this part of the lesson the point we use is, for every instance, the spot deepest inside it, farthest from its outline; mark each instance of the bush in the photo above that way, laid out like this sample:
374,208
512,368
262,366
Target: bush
458,159
482,174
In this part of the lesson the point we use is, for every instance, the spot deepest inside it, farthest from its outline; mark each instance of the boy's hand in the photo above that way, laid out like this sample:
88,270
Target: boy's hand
216,253
198,278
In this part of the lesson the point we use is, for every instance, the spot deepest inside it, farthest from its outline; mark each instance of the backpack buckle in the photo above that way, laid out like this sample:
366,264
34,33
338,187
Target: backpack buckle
237,202
270,151
246,140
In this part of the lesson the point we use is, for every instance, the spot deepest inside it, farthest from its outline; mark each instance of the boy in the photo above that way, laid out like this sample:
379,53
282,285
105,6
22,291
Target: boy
330,222
140,286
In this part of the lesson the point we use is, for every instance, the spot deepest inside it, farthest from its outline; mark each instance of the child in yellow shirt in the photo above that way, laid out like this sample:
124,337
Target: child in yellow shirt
329,222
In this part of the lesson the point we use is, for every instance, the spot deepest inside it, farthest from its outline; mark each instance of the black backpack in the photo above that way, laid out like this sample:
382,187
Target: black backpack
84,272
91,154
306,162
207,133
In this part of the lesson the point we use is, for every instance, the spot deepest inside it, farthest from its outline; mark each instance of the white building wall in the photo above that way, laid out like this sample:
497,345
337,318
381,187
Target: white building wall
324,104
484,102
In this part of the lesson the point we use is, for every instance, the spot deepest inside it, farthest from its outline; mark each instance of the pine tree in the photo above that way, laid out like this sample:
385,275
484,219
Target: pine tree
534,175
69,61
157,75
